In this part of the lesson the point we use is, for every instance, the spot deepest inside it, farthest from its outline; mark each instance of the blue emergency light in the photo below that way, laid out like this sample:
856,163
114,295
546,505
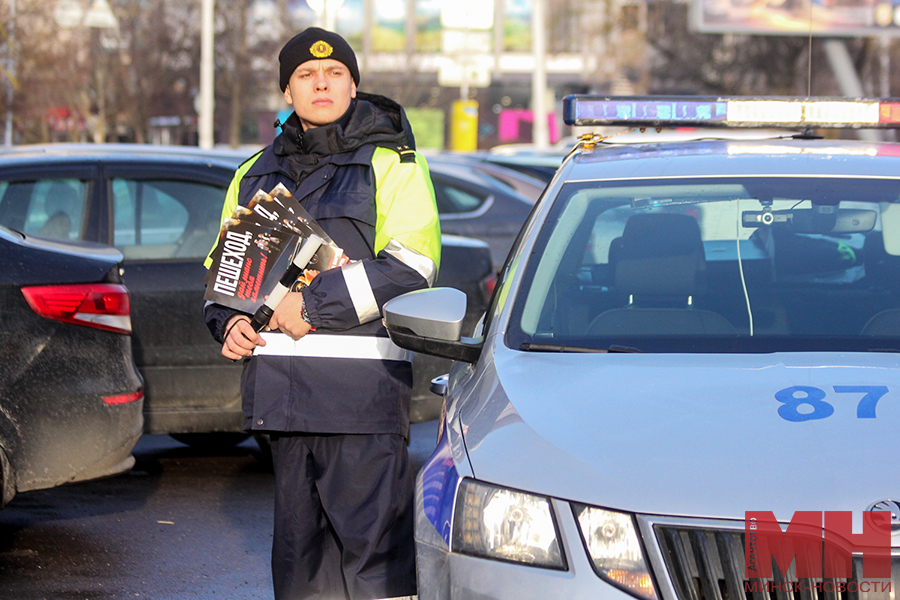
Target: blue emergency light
710,111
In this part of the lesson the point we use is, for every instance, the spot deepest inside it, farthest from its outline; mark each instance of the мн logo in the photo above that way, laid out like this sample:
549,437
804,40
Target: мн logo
821,544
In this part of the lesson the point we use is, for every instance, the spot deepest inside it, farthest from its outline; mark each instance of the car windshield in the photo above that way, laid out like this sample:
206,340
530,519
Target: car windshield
719,264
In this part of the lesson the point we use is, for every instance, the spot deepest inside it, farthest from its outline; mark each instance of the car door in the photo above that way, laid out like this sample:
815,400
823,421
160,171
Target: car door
164,218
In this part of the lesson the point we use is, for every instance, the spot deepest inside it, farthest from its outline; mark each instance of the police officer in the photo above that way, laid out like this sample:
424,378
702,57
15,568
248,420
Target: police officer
327,384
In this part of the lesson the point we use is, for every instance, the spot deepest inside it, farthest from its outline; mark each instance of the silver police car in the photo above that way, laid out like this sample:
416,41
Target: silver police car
684,334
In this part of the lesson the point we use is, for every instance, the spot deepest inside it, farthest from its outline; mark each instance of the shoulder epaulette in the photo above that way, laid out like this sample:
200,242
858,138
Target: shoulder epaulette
406,152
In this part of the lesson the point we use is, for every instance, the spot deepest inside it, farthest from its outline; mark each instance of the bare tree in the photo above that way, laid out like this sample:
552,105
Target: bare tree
76,83
52,68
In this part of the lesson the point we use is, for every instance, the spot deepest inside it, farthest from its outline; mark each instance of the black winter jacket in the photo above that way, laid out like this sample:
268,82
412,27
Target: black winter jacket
362,181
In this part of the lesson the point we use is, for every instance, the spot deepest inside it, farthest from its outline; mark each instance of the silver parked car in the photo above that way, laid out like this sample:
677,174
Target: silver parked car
684,333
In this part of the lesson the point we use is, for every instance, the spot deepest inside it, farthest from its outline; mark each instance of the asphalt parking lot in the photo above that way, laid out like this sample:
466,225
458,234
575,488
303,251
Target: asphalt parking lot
181,524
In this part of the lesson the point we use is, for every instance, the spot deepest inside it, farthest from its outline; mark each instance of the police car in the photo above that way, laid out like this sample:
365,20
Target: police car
688,339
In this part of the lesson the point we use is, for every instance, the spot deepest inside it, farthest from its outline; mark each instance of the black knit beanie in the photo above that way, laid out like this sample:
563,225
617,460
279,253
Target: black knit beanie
315,44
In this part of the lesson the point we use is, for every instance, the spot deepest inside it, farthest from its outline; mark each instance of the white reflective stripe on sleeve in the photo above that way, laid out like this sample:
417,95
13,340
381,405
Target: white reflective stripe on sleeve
332,346
423,265
360,292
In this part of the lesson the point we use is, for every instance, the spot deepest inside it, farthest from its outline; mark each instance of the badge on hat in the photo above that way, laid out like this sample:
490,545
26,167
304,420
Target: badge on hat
321,49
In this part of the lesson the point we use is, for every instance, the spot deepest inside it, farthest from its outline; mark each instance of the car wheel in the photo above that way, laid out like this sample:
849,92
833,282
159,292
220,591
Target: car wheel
213,442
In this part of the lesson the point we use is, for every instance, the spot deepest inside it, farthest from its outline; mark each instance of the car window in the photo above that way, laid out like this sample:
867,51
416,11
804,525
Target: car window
739,264
452,199
52,208
164,219
519,184
493,179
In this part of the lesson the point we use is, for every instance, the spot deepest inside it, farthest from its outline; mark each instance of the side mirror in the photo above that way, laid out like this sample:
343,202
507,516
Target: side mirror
430,322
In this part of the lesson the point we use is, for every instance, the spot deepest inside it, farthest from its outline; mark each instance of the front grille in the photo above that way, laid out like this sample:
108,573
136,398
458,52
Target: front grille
708,564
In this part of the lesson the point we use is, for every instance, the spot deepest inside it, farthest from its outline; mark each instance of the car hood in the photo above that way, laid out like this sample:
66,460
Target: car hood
689,435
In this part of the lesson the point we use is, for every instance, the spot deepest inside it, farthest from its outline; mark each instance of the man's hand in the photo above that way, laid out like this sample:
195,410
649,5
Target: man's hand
288,316
240,339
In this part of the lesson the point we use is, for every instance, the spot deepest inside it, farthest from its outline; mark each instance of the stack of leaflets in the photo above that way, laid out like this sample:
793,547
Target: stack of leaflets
256,246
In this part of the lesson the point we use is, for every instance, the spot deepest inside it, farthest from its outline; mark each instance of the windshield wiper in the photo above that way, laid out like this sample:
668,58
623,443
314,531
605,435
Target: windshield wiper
882,350
562,348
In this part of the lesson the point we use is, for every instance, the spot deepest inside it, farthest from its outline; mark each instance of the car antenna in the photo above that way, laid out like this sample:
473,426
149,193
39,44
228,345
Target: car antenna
808,134
809,57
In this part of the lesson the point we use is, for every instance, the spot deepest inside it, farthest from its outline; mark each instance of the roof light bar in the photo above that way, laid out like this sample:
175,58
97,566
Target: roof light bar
711,111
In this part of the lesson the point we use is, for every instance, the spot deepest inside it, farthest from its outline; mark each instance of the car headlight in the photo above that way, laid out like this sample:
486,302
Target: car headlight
502,524
615,550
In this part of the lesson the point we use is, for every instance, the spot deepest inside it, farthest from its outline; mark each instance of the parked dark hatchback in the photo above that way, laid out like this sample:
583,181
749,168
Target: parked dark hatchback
160,206
492,174
474,203
70,394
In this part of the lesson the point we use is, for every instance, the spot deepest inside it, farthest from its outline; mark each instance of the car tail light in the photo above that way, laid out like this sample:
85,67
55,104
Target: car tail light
124,398
487,286
102,305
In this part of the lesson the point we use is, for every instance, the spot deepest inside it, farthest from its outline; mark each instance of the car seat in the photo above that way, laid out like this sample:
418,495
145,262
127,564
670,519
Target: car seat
883,273
61,200
659,265
58,226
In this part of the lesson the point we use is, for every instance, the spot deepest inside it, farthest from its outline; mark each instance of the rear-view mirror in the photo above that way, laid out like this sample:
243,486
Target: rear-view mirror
820,219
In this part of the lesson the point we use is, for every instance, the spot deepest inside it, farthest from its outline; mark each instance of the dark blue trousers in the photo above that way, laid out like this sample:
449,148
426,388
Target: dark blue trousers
343,517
